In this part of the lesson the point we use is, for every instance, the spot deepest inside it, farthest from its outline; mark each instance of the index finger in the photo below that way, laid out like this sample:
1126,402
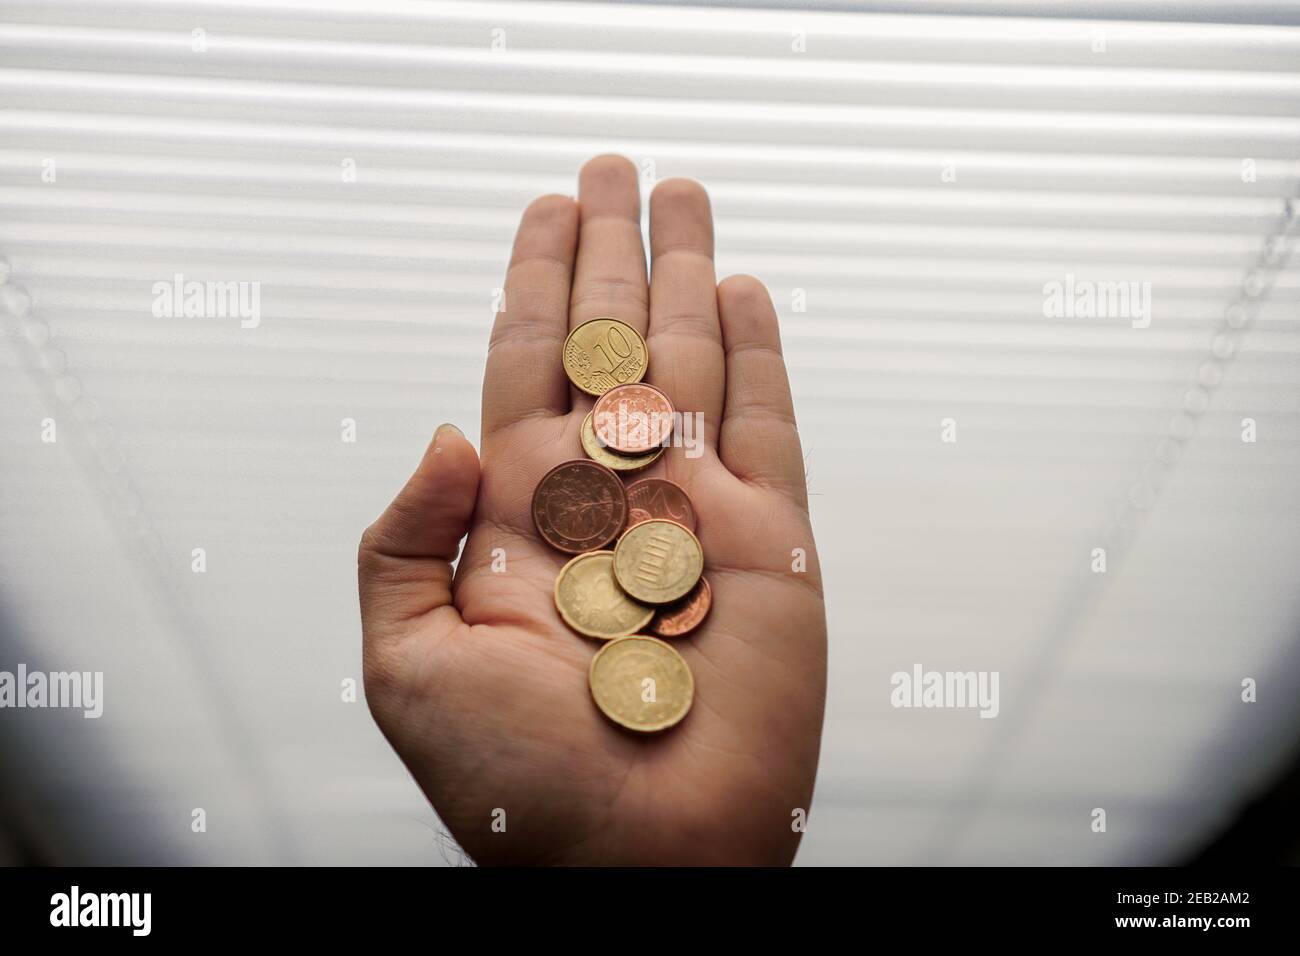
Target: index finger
524,377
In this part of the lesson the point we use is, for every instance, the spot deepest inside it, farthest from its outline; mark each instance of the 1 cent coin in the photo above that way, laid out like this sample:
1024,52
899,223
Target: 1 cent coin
603,353
641,683
633,419
682,617
659,498
579,506
658,561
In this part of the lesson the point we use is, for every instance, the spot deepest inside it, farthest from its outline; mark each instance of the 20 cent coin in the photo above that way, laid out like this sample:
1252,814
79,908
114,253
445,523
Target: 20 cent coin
592,604
641,683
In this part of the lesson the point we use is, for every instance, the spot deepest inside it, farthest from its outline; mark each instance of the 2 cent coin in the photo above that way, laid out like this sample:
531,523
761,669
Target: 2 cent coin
651,498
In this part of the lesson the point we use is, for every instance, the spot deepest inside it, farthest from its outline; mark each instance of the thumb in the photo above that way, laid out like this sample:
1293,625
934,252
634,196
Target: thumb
404,562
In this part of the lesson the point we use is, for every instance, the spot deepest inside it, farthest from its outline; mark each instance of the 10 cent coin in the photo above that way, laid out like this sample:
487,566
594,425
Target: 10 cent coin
603,353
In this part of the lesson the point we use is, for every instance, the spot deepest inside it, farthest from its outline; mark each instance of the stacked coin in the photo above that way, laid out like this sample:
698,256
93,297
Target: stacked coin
651,579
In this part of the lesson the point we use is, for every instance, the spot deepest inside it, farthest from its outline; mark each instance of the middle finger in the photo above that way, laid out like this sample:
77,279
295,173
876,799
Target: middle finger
610,271
609,276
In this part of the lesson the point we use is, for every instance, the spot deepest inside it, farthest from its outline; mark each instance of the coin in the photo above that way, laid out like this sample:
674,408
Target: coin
659,498
603,353
641,683
684,615
597,452
658,561
633,419
592,604
579,506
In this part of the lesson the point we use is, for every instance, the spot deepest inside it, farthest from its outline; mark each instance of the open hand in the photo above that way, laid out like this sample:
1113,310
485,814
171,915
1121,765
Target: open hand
475,680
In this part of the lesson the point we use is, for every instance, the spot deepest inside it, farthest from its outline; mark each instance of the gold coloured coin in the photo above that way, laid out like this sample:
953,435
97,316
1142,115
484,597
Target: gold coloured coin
641,683
603,353
658,561
599,453
592,604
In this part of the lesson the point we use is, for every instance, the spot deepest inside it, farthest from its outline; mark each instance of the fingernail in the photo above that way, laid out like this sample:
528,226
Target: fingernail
449,428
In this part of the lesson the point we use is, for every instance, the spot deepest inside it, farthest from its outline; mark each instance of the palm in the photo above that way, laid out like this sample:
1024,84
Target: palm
490,707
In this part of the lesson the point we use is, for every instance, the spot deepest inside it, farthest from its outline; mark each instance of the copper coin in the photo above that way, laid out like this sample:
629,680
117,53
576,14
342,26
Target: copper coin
659,498
579,506
684,616
633,419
